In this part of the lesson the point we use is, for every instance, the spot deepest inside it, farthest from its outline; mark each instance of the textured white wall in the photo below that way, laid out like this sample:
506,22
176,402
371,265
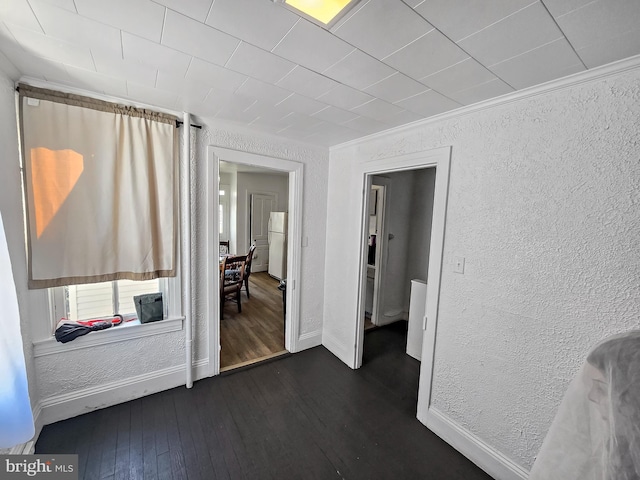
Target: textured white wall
543,204
314,213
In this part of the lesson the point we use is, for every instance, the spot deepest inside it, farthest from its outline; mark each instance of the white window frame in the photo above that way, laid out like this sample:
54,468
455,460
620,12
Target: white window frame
173,321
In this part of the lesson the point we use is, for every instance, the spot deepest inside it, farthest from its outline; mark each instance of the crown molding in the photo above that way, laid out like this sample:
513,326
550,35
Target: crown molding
587,76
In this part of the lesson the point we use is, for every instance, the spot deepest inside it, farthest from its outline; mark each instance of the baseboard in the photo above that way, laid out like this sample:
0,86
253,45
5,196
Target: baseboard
484,456
67,405
309,340
386,320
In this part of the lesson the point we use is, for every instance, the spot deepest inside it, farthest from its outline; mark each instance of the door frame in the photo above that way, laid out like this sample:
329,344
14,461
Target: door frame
381,249
439,158
295,170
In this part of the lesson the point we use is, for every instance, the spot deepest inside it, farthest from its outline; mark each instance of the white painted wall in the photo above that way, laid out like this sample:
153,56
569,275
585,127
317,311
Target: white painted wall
248,182
421,214
543,204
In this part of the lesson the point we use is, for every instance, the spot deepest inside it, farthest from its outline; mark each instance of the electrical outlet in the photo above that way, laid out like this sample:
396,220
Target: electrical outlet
458,264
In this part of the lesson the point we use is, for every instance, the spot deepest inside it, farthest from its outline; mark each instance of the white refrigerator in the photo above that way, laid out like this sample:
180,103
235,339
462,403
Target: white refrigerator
278,245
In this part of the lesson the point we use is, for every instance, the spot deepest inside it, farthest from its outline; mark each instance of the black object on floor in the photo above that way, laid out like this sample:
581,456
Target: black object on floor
306,416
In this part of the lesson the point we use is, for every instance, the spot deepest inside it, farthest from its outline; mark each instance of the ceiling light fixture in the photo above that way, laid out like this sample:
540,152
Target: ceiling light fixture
323,12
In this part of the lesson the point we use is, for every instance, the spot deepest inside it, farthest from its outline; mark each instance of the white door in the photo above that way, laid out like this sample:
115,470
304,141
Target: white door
262,204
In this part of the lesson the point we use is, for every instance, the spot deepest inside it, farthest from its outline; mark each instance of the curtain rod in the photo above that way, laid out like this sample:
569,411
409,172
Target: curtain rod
179,124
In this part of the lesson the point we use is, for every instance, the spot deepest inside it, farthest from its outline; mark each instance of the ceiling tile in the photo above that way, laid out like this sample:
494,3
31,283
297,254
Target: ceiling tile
263,91
548,62
8,68
151,96
33,66
600,21
267,111
214,75
335,133
345,97
125,69
74,28
395,88
307,83
228,104
195,38
258,63
300,121
311,46
402,118
378,110
359,70
142,17
525,30
335,115
366,125
477,93
300,104
96,82
381,27
191,90
626,45
66,4
413,3
460,19
264,28
18,12
153,54
561,7
427,55
51,48
428,103
460,76
196,9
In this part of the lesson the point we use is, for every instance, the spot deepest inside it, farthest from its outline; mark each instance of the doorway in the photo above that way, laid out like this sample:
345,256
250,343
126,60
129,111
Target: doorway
264,295
399,216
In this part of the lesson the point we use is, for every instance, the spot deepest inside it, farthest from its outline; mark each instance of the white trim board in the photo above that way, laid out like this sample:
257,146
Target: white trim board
591,75
483,455
295,171
67,405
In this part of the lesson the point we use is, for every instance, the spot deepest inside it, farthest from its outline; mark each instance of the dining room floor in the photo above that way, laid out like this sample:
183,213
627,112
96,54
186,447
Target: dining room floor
256,333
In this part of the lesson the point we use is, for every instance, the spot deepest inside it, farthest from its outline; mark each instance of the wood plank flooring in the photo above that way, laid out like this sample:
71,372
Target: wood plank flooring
258,332
303,416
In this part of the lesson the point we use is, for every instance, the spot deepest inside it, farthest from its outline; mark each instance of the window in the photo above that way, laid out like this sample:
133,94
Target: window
223,212
96,300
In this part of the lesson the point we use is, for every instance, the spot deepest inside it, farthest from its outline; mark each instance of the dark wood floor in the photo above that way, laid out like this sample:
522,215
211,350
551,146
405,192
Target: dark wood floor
305,416
256,333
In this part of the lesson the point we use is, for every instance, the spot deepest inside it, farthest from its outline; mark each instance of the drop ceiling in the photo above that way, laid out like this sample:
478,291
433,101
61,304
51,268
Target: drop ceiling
257,64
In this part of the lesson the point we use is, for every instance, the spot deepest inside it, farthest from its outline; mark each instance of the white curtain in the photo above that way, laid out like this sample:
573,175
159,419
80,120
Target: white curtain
101,190
16,419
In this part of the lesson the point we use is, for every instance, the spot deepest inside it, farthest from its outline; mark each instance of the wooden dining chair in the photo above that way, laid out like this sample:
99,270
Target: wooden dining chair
247,269
231,279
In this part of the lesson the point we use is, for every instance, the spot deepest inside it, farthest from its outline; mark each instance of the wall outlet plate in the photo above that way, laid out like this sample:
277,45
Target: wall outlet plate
458,264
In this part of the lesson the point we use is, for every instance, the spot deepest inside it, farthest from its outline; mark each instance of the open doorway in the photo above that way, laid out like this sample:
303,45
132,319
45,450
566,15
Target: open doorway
252,329
245,191
398,216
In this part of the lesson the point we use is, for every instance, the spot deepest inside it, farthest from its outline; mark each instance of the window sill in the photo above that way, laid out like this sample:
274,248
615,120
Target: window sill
118,334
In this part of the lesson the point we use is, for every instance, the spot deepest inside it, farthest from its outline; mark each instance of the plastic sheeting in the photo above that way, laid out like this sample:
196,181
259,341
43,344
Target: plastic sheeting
16,419
596,432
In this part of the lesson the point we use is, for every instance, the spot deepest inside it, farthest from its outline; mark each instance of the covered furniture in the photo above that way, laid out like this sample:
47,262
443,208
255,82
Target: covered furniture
247,269
596,432
231,279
